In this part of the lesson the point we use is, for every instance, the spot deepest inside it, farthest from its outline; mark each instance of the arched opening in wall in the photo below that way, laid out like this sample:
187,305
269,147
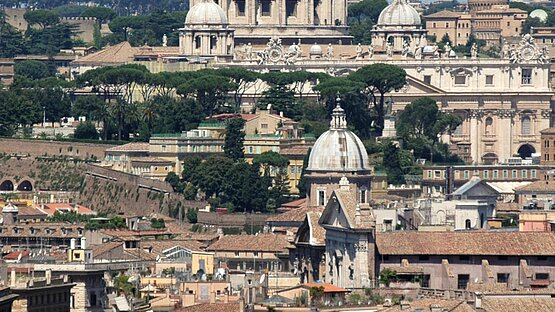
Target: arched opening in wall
25,186
197,42
490,159
407,39
6,186
526,151
390,40
489,125
467,224
526,125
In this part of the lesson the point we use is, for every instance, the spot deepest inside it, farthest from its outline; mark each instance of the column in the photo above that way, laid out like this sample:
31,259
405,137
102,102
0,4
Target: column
474,136
310,8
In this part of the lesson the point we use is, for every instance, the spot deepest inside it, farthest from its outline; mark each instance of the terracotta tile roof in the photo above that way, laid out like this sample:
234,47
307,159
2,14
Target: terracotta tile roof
159,246
487,287
317,232
212,307
548,131
508,207
30,211
14,255
296,203
118,54
43,229
130,147
444,14
294,151
293,215
537,186
515,304
100,250
424,305
328,288
466,243
260,242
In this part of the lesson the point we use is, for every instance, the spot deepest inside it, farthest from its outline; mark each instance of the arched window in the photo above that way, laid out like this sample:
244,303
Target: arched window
213,42
489,125
467,224
526,125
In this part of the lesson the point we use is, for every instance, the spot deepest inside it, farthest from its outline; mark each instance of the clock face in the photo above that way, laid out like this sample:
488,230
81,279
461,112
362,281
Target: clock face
274,54
527,53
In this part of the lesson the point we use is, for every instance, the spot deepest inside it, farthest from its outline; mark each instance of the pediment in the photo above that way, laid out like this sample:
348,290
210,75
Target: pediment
418,86
334,215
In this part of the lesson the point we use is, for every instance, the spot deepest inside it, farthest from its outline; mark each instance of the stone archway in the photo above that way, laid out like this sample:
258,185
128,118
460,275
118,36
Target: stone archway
490,159
7,185
526,151
25,186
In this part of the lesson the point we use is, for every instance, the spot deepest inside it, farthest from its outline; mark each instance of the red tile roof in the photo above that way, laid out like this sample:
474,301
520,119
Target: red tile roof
260,242
14,255
466,243
212,307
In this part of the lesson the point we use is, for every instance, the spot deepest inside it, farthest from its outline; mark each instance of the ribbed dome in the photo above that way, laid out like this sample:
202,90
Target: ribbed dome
315,49
206,12
399,12
338,149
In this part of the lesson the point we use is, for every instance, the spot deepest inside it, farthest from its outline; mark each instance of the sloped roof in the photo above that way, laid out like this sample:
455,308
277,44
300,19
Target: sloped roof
260,242
516,304
537,186
470,184
119,54
212,307
293,215
328,288
450,305
444,14
130,147
466,243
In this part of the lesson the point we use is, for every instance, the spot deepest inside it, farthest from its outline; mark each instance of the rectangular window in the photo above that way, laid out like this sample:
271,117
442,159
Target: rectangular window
515,174
542,276
460,80
362,196
428,79
533,173
437,174
485,174
524,173
462,281
503,278
321,198
546,143
236,254
291,8
505,173
526,76
446,25
489,80
495,174
266,6
425,282
429,174
466,174
264,126
240,7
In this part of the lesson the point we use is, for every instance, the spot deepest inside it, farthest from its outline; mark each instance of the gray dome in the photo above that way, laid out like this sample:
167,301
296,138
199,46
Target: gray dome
338,149
206,12
399,13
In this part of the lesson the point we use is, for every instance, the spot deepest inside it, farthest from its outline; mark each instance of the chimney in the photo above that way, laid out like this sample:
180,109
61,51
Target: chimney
478,300
435,308
405,305
72,243
48,274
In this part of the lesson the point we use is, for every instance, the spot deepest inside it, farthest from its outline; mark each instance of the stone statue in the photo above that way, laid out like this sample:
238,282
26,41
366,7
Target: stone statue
359,51
164,40
296,266
329,53
370,51
389,50
447,50
474,51
406,49
292,54
505,53
248,51
423,41
544,55
418,53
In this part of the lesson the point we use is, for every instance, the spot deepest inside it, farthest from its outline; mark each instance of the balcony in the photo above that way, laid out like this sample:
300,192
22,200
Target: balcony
456,138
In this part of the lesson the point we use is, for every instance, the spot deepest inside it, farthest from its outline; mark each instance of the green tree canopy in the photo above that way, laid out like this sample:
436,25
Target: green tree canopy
34,69
234,138
101,14
42,18
379,79
86,130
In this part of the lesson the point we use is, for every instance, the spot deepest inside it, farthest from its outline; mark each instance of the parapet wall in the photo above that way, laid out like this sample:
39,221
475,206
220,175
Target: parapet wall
52,148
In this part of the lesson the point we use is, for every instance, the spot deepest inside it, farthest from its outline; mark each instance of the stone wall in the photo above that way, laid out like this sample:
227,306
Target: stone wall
52,148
